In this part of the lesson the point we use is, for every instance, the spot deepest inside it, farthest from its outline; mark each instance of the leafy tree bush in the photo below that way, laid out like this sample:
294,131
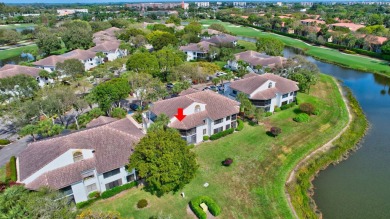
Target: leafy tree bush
270,46
316,112
95,194
240,125
287,106
277,109
206,138
4,141
307,108
212,206
227,162
267,114
142,203
12,166
165,160
221,134
89,214
275,131
116,190
119,113
302,117
86,203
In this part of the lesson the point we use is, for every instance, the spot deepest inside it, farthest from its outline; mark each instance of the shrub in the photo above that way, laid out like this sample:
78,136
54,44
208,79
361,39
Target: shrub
277,109
118,189
4,141
86,203
118,113
227,162
267,114
211,205
138,117
316,112
142,203
302,117
7,172
12,167
221,134
206,138
240,125
307,108
287,106
95,194
275,131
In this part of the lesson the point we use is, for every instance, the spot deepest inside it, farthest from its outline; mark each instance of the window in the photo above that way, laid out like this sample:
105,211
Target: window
66,191
220,129
285,95
130,178
270,85
197,108
234,117
111,173
292,93
113,184
227,118
218,121
234,124
91,188
77,156
227,126
89,177
204,131
234,92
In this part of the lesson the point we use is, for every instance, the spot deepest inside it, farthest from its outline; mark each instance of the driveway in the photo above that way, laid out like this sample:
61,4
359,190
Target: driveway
13,149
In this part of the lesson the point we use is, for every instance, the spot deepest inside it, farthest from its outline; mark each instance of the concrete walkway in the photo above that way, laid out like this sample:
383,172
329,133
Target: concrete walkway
13,149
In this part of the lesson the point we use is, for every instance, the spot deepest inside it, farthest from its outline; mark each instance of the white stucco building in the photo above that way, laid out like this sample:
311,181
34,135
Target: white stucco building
199,50
266,91
110,49
207,113
82,162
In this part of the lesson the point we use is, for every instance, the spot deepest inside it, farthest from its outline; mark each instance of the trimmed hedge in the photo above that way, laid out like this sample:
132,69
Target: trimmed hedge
277,109
221,134
86,203
118,189
240,125
4,141
206,138
287,106
302,117
267,114
12,166
211,205
142,203
94,194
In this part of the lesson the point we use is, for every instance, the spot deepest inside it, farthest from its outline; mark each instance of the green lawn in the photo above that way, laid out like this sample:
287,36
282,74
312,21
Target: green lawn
325,54
253,187
2,173
14,26
5,54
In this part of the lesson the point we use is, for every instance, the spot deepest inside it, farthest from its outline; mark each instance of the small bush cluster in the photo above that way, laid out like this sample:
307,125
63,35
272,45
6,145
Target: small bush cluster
4,141
275,131
287,106
221,134
85,118
206,138
142,203
86,203
307,108
302,117
277,109
95,194
118,113
118,189
267,114
211,205
316,112
227,162
10,173
240,125
138,117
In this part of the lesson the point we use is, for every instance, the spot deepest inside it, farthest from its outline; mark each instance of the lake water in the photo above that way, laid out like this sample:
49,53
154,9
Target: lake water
359,186
16,59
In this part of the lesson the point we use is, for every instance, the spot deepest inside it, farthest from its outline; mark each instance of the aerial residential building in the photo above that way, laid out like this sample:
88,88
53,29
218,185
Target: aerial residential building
307,4
49,63
266,91
239,4
223,40
9,70
199,50
82,162
351,26
64,12
110,49
311,22
145,6
202,4
257,62
207,113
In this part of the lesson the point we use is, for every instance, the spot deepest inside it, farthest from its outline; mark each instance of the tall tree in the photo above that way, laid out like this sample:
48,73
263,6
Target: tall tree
169,57
143,62
270,46
77,35
71,67
164,160
47,41
18,87
159,39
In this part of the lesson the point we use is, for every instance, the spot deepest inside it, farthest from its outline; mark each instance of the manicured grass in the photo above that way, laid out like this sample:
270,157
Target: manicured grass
325,54
253,186
5,54
14,26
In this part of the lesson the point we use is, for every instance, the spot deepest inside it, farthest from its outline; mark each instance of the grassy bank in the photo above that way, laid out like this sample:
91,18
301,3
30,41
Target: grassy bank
298,188
2,173
6,54
253,186
14,26
324,54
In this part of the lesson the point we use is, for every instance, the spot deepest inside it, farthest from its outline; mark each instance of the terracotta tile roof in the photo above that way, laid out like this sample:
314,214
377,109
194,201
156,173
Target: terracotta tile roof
202,46
351,26
188,91
190,121
254,58
211,31
222,39
9,70
50,61
107,32
102,39
106,46
112,142
251,74
217,106
101,120
79,54
250,84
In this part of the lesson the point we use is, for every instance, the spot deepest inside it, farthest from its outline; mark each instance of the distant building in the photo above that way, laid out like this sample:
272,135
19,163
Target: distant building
64,12
239,4
351,26
199,50
9,70
279,4
224,40
307,4
145,6
202,4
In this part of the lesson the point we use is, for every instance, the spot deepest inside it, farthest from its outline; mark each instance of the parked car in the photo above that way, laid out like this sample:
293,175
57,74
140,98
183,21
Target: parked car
214,88
134,106
219,74
206,88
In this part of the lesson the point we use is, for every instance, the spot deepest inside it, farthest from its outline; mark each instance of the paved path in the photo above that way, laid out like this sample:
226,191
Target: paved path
321,149
13,149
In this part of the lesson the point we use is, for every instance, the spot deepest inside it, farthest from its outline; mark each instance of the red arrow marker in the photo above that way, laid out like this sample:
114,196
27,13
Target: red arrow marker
180,116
